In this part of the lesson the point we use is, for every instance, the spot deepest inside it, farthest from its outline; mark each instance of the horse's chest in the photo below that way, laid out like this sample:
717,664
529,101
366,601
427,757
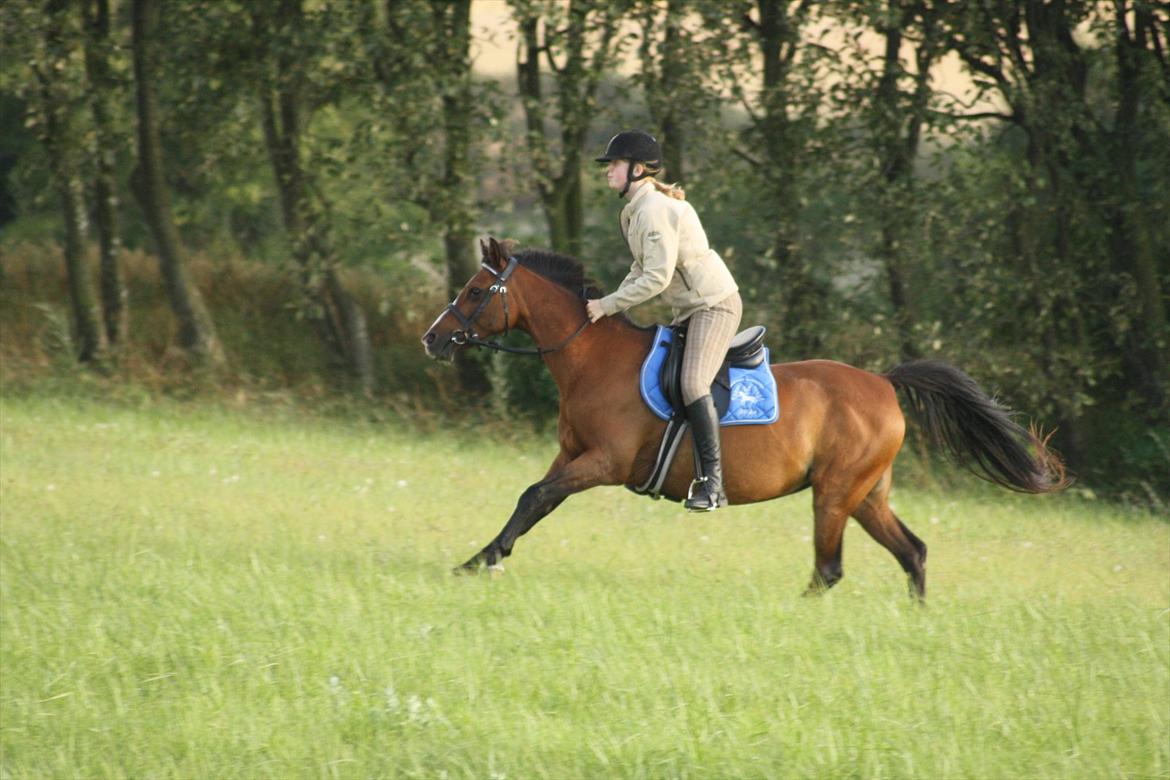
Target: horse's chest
567,437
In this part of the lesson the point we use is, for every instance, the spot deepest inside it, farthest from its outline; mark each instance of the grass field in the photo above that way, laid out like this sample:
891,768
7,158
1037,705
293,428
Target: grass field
200,592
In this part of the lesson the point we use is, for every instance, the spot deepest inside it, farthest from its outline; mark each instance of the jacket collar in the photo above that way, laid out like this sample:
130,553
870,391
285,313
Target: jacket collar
629,208
640,193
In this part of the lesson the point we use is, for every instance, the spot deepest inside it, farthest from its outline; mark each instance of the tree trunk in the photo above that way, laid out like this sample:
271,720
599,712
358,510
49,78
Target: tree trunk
453,29
778,36
113,288
348,312
337,317
1148,347
673,136
564,210
1038,239
63,151
898,127
548,183
196,330
91,339
664,81
577,79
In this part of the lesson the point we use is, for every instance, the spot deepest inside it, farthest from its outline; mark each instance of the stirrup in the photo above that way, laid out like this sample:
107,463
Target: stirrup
712,501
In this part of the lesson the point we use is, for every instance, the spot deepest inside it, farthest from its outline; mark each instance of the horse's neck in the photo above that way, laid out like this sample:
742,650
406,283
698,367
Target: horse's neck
553,314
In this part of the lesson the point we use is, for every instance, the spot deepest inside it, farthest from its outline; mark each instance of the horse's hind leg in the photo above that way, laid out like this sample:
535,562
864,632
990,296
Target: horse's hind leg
837,491
828,541
831,512
883,525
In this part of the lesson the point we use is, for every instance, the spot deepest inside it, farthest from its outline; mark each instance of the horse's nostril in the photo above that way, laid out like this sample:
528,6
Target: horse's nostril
429,339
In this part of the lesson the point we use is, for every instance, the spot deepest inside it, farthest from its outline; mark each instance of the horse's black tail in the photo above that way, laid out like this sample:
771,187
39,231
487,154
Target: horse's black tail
977,432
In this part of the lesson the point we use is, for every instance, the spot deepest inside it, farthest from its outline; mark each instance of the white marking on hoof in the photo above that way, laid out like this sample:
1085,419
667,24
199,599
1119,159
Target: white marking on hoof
496,568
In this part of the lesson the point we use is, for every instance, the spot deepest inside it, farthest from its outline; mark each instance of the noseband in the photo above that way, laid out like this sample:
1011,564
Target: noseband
468,334
500,287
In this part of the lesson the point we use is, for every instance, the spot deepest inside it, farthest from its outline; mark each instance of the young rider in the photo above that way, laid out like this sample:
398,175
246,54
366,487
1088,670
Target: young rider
673,259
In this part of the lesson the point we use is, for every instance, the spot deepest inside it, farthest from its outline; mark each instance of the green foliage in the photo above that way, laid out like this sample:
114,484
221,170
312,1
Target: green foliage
522,386
1030,233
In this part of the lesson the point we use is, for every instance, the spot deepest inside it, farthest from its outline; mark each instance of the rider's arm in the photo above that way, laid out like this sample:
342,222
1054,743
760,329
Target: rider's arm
656,238
635,272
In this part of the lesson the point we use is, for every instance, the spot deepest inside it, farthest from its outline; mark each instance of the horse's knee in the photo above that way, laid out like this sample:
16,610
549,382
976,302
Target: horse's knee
532,495
541,497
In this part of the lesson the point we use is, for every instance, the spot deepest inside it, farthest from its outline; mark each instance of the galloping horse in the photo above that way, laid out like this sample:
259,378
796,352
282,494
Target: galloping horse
839,429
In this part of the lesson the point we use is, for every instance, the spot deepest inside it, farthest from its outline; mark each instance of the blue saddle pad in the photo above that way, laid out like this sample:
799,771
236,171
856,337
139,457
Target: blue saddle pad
753,390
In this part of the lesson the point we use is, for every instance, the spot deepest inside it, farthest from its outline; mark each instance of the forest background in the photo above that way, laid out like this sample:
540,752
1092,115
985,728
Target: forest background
275,198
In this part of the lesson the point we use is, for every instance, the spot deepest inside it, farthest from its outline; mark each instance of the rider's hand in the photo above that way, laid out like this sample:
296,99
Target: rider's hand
594,310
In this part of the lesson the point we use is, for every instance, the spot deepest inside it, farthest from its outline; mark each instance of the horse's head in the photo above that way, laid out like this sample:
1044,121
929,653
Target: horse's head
480,309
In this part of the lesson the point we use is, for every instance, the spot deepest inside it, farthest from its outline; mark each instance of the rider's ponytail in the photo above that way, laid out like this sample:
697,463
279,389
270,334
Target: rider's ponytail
670,190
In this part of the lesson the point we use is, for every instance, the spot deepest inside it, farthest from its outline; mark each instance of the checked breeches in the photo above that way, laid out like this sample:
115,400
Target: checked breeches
709,334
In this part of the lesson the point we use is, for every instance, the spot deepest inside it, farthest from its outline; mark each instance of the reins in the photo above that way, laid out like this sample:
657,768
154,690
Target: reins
498,347
500,287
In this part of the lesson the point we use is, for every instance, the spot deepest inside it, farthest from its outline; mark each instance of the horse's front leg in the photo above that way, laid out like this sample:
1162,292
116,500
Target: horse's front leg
562,480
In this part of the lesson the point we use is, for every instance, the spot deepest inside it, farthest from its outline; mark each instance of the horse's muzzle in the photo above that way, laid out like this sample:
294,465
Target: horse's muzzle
440,349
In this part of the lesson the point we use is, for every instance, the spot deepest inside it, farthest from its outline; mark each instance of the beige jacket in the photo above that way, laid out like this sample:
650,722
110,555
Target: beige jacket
671,258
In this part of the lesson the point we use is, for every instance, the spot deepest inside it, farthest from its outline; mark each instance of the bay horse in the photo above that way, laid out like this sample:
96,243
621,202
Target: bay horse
839,430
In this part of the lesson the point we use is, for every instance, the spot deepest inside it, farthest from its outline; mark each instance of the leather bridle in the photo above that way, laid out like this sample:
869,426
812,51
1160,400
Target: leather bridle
500,287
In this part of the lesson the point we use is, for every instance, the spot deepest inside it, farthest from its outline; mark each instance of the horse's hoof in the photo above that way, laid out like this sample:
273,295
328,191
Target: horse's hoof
467,569
496,569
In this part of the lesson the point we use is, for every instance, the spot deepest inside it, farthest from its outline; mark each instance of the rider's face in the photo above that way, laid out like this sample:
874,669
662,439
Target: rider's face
618,172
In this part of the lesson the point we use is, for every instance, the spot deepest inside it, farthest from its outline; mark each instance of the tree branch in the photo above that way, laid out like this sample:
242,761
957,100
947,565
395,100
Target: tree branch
1015,50
756,118
1157,47
528,84
600,58
977,115
980,66
801,10
755,163
548,55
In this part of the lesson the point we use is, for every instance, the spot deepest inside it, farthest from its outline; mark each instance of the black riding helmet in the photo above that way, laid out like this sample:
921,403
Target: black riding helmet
637,147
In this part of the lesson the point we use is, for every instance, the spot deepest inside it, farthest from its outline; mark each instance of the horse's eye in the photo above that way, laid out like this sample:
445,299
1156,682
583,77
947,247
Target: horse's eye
474,292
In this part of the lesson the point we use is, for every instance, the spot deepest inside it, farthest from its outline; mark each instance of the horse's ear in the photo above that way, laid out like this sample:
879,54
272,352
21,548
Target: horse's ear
496,256
483,249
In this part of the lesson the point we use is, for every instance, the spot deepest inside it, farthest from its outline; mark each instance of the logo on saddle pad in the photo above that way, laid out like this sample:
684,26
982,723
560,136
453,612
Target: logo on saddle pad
751,391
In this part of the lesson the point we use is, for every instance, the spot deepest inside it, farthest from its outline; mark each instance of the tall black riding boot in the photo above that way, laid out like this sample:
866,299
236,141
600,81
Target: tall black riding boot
707,491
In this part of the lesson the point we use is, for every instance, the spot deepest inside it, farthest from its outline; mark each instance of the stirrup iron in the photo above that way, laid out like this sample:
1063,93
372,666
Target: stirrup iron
712,501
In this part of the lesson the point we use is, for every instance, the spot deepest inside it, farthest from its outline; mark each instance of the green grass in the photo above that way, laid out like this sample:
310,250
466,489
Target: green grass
197,592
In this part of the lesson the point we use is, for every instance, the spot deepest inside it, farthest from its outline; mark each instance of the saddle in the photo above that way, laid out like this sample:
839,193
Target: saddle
746,351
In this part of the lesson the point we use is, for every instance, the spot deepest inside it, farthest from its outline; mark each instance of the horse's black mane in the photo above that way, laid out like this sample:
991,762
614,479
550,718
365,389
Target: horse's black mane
568,273
562,269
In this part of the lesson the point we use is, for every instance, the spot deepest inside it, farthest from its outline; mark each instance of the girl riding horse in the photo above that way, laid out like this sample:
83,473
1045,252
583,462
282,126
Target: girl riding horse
839,432
673,260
